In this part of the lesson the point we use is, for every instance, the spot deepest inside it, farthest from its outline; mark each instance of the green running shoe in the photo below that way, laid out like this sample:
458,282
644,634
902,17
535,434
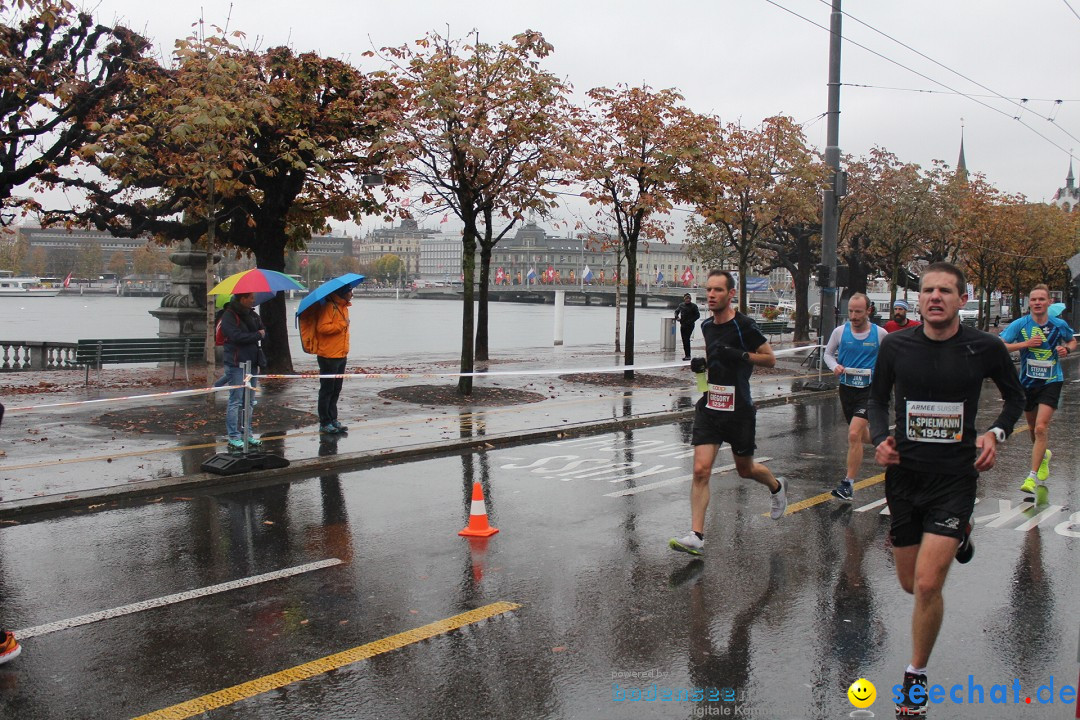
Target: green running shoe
691,544
1028,486
1044,466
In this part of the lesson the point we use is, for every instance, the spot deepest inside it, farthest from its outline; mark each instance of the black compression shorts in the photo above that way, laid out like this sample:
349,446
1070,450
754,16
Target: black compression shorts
928,503
854,400
1045,394
714,427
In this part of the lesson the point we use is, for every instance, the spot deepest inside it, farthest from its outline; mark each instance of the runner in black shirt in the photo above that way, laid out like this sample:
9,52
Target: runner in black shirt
733,345
934,374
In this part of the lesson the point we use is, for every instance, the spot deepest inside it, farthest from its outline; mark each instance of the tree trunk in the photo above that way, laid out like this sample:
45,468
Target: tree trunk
468,268
618,303
631,295
744,301
801,279
482,305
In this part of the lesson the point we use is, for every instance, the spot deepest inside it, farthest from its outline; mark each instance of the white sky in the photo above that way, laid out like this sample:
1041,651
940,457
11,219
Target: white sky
745,60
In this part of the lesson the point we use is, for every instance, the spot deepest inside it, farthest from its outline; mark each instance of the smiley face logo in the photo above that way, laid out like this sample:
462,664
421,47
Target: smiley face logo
862,693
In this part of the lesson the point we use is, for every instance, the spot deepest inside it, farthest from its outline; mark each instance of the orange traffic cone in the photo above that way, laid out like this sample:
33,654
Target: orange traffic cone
478,522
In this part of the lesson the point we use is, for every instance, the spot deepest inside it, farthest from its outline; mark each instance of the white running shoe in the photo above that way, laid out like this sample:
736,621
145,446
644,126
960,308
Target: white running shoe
690,544
779,501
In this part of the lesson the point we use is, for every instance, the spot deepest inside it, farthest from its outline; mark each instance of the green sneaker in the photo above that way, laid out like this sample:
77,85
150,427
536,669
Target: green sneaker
1044,466
1028,486
691,544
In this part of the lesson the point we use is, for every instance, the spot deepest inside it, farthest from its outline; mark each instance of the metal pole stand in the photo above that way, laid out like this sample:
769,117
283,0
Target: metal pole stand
247,461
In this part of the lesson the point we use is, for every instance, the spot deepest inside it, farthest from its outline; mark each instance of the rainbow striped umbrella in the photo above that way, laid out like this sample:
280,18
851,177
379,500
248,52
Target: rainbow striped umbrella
222,300
255,281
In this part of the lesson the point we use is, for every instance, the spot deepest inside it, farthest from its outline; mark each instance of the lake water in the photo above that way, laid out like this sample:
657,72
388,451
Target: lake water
381,327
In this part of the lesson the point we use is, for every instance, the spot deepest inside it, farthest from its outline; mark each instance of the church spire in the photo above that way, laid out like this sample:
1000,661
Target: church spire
1069,179
961,163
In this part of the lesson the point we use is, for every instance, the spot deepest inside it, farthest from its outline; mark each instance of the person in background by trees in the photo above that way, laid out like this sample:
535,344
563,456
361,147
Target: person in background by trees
687,315
874,317
332,333
900,319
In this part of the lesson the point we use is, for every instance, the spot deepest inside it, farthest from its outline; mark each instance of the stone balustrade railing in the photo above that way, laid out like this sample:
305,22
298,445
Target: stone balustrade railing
21,355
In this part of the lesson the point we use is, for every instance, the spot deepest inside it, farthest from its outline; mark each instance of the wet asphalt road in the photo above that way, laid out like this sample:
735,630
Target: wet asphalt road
786,614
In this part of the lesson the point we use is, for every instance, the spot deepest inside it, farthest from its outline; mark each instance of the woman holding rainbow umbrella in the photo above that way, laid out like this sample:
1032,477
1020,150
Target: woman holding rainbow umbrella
244,332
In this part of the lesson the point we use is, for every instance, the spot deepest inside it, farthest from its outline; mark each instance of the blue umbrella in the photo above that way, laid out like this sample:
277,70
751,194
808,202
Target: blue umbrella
1056,309
328,288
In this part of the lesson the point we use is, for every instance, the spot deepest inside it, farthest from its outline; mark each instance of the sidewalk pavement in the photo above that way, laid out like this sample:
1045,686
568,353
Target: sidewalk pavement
65,457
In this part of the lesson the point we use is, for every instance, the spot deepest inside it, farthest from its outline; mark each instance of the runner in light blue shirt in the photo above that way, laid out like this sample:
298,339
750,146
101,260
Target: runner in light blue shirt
1043,340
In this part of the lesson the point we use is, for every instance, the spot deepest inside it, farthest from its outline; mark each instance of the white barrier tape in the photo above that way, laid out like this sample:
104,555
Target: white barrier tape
173,393
399,376
498,373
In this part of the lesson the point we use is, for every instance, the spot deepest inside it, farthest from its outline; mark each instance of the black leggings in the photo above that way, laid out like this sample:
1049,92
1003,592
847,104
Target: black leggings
330,388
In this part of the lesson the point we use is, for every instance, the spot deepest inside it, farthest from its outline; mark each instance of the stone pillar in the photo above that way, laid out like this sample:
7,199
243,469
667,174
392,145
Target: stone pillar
183,310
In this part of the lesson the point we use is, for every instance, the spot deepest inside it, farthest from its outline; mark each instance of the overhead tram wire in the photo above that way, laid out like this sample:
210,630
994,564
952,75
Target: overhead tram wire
954,72
949,92
1071,8
923,76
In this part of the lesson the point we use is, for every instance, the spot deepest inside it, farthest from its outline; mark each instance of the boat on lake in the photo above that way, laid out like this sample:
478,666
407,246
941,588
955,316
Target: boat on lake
26,287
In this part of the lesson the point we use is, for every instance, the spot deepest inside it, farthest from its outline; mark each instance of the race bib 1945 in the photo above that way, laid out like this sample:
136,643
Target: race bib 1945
940,422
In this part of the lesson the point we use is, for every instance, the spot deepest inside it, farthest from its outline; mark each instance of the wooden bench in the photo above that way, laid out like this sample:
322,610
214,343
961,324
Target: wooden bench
116,351
772,327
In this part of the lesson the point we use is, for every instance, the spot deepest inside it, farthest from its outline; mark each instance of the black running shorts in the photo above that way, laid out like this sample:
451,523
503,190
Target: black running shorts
1045,394
715,427
853,400
928,503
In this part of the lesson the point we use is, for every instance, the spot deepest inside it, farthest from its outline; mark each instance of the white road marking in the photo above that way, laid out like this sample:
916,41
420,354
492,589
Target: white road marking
172,599
673,481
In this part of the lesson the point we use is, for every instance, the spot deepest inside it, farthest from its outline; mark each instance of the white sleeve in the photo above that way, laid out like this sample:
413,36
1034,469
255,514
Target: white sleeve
832,347
882,333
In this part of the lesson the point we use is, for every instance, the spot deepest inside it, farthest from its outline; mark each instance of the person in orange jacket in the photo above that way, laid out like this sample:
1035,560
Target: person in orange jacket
332,335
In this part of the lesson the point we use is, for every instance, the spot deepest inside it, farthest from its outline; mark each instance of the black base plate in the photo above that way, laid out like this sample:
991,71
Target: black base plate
235,464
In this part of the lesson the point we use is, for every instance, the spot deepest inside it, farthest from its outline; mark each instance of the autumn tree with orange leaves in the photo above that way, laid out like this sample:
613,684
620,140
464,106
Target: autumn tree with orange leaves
1045,237
61,70
487,138
755,177
987,220
259,150
638,151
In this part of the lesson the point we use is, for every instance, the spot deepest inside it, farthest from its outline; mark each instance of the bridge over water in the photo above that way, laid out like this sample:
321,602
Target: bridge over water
575,294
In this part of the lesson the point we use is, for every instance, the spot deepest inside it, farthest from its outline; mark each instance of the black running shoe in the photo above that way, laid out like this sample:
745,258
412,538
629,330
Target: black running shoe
907,707
966,551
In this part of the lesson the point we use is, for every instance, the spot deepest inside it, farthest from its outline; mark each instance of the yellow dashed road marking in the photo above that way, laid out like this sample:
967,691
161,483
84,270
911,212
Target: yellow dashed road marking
827,496
250,689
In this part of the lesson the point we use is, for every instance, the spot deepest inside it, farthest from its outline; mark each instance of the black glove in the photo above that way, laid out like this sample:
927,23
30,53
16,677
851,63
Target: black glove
698,365
732,355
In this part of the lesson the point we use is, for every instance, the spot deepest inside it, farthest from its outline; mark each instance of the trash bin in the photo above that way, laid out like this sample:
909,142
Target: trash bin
667,333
